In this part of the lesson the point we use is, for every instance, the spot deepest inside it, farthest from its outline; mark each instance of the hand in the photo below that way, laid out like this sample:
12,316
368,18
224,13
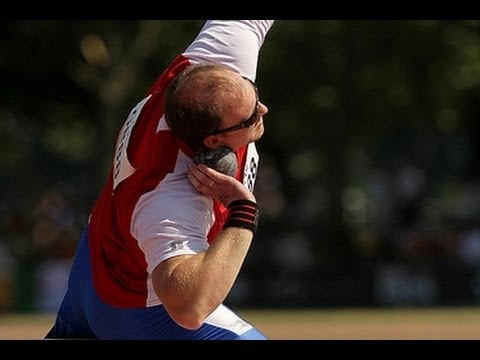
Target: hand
216,185
222,159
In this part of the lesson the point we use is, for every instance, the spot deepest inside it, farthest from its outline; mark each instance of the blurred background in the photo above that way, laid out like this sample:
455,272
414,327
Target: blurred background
369,184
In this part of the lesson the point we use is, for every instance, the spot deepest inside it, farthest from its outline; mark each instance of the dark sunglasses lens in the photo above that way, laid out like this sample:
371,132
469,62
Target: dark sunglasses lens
253,119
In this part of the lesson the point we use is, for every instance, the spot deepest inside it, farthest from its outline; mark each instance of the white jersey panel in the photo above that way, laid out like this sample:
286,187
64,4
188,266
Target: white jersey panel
251,167
225,318
121,166
187,219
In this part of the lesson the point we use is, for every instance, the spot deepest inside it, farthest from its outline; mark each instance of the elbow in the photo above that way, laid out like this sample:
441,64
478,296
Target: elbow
187,307
191,317
186,311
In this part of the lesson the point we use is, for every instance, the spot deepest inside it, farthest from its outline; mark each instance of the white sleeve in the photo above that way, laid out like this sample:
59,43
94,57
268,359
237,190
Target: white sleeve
234,43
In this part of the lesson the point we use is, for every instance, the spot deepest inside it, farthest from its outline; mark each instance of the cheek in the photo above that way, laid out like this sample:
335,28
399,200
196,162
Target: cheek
244,139
234,143
259,130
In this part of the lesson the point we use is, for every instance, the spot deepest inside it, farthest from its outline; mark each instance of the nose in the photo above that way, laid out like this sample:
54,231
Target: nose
263,109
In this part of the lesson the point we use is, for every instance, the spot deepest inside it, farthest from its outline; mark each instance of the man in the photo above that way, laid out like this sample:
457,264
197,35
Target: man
167,238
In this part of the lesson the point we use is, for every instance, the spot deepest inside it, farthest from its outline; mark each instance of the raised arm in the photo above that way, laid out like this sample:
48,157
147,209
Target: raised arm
192,285
234,43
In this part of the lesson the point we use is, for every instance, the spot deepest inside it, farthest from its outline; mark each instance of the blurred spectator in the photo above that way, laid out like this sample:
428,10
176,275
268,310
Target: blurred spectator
54,236
469,246
6,279
41,244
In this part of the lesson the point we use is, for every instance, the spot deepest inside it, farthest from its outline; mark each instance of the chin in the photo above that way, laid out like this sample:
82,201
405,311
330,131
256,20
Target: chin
261,130
258,136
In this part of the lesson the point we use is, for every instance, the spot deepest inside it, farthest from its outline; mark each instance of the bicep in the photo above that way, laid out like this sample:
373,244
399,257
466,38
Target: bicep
162,273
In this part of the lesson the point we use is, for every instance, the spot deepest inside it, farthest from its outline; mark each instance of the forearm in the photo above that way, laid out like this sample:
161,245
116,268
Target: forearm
195,285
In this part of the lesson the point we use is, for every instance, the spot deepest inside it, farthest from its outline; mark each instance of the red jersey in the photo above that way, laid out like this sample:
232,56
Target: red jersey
148,211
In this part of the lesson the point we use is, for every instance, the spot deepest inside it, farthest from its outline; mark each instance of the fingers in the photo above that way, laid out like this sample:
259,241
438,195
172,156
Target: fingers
216,185
201,176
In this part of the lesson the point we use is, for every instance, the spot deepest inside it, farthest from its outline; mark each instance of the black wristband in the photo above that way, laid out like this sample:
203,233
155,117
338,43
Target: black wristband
243,214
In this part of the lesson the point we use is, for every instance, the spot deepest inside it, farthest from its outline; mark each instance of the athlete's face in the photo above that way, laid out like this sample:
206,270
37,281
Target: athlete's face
244,123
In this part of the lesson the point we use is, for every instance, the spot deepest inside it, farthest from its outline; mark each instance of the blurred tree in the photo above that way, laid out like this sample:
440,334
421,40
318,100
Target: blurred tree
351,102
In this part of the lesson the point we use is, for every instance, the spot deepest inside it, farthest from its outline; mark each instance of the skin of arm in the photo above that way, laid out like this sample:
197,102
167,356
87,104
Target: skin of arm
192,286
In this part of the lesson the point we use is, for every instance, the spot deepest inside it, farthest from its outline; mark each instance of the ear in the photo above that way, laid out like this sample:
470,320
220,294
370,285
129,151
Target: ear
212,142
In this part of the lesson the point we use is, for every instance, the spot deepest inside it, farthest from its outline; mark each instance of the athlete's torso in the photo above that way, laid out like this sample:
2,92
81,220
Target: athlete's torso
148,211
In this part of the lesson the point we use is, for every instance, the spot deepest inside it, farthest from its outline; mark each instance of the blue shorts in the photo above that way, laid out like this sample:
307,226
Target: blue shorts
83,315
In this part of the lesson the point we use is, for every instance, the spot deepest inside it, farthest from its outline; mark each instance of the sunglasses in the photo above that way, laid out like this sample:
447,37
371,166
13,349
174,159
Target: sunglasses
245,123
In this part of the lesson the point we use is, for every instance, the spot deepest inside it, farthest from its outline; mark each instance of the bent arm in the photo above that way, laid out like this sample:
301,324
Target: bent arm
234,43
193,286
